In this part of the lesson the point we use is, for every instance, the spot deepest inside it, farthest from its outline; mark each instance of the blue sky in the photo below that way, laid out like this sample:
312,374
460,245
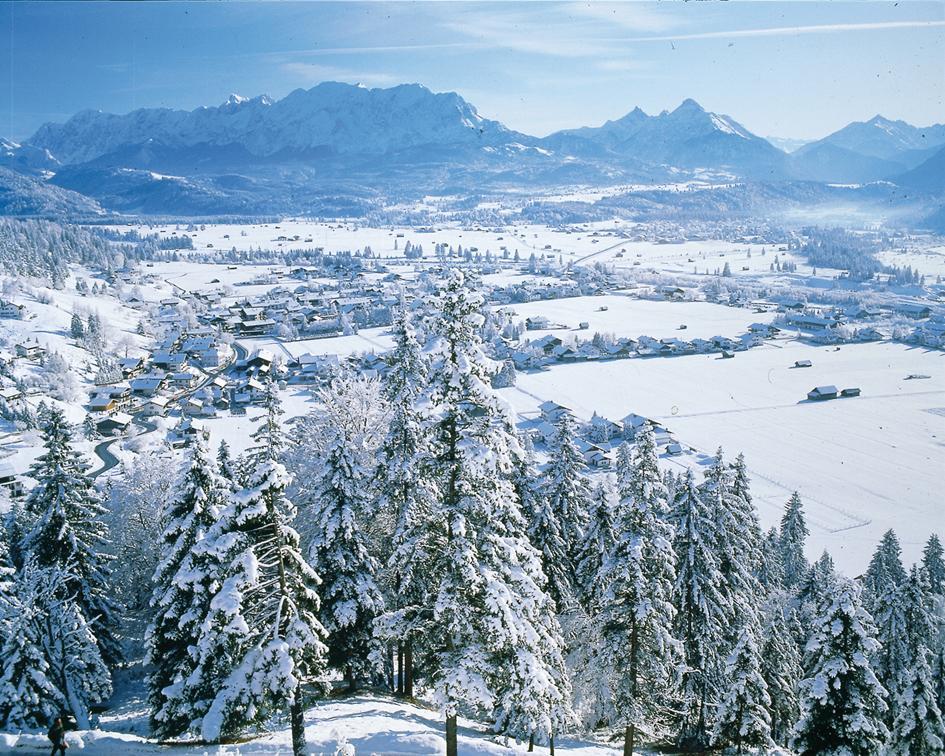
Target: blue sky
794,69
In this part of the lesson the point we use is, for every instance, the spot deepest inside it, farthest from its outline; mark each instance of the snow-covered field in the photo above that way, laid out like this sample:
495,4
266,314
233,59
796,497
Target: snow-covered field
625,316
367,725
366,340
863,465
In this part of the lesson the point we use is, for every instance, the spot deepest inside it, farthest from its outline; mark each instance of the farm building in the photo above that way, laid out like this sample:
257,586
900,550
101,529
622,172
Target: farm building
803,363
850,392
823,392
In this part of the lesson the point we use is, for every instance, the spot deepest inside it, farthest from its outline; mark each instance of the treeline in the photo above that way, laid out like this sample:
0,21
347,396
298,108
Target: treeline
404,535
43,249
842,249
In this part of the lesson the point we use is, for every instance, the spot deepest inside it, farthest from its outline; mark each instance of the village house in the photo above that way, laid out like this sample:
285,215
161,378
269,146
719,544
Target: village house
148,385
119,422
30,351
10,481
11,310
552,412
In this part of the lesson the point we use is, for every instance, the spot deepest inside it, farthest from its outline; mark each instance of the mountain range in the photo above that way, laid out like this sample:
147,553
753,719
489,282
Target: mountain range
339,147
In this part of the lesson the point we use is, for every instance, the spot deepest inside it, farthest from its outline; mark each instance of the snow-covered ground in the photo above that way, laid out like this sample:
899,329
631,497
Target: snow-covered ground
624,316
863,465
367,724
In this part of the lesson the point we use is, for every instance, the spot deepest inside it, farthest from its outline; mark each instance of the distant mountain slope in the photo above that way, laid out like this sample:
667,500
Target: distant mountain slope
927,177
881,138
26,158
832,164
333,117
25,196
687,137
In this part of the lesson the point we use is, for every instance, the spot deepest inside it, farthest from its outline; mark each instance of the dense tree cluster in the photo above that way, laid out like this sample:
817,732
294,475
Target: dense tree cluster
405,535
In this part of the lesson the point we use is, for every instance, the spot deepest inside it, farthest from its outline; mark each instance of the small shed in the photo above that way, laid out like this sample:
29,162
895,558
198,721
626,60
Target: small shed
822,392
850,392
803,363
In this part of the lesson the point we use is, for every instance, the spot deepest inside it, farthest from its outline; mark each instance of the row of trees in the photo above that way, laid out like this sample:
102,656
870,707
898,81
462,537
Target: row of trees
428,551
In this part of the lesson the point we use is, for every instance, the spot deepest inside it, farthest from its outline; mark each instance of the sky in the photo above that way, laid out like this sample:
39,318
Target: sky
784,69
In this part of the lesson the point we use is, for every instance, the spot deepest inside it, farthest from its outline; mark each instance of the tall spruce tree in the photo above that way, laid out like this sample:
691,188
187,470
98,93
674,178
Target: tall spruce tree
702,611
597,544
567,496
497,641
185,580
68,532
917,727
934,563
407,495
781,670
637,591
743,718
794,534
842,702
339,511
884,574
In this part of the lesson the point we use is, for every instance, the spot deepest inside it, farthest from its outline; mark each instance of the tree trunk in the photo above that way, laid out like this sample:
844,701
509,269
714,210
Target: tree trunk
400,668
408,668
628,737
349,676
451,736
531,742
296,715
551,745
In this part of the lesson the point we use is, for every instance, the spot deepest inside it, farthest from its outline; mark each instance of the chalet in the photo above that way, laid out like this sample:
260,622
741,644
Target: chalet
765,330
9,480
11,394
169,360
186,431
868,334
182,379
811,322
546,344
116,423
850,392
822,392
157,406
130,366
593,455
102,403
671,292
148,385
674,449
552,412
803,363
537,323
256,327
564,353
633,423
602,430
260,358
916,311
11,310
30,351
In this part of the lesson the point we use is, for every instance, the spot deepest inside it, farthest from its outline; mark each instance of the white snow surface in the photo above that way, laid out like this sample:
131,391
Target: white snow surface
367,724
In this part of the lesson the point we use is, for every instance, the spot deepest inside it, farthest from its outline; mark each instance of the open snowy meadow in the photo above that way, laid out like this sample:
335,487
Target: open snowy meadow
861,464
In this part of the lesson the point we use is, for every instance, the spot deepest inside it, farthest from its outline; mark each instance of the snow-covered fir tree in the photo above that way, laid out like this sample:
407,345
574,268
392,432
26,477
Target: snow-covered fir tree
794,534
917,726
884,574
184,582
781,669
338,514
499,646
598,542
934,563
743,718
407,496
262,628
637,615
842,702
816,587
771,567
68,532
725,491
566,494
702,611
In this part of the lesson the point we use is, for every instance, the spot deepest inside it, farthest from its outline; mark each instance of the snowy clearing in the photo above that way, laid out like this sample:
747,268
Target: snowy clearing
862,465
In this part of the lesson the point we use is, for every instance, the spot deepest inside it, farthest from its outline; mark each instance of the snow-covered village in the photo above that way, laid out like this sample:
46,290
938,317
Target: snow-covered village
344,419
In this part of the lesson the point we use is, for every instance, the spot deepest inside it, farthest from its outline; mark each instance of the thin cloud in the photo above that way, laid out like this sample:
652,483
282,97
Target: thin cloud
788,31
